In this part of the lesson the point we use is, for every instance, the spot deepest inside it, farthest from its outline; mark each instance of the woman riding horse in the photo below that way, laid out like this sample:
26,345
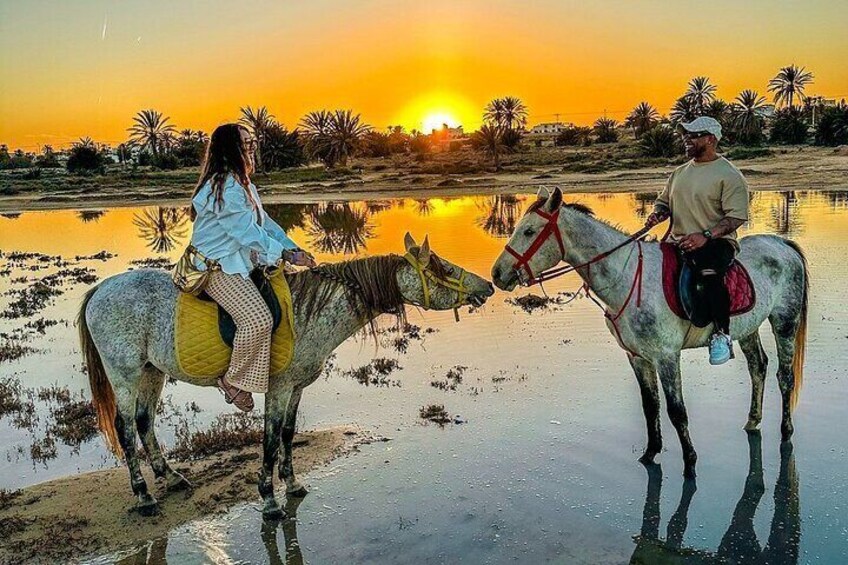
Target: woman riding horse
235,235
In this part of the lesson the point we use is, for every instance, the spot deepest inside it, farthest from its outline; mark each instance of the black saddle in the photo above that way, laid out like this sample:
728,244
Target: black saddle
226,324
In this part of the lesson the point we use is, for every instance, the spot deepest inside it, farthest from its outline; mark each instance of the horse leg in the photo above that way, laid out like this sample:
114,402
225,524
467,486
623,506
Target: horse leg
126,400
149,391
646,375
752,347
669,371
293,486
276,405
784,327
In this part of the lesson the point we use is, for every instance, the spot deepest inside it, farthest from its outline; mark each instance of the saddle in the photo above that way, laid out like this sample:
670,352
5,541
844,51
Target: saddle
681,293
203,332
226,324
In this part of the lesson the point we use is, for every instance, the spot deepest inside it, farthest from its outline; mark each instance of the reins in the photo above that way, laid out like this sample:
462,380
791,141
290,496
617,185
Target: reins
455,284
523,262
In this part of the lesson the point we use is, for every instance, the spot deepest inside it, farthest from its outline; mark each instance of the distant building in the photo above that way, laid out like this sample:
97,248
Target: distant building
549,128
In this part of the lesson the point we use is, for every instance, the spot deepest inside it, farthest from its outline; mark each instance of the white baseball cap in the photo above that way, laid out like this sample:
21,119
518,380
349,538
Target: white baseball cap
704,123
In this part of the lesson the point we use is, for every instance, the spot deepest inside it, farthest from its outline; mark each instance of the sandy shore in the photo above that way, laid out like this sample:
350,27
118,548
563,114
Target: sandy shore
92,513
806,168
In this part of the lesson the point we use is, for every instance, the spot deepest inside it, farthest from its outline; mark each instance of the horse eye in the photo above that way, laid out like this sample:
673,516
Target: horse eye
528,232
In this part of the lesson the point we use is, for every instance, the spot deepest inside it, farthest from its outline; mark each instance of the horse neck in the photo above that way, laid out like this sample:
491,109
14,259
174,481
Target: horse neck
586,237
335,321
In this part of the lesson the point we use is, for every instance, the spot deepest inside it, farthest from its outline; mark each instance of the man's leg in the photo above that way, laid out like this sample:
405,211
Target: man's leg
710,264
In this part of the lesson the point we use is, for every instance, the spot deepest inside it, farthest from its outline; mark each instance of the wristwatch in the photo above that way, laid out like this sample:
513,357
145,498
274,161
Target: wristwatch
707,233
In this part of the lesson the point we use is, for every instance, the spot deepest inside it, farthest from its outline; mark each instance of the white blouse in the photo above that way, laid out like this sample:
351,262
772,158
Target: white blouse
228,232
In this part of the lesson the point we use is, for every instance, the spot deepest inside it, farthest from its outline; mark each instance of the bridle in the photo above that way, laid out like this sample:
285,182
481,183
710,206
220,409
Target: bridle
456,284
522,264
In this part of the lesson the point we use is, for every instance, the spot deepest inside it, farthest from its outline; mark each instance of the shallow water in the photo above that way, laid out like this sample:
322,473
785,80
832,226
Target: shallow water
544,467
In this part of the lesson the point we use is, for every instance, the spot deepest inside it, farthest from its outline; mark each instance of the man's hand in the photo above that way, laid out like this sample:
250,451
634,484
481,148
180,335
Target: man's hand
656,218
299,258
692,242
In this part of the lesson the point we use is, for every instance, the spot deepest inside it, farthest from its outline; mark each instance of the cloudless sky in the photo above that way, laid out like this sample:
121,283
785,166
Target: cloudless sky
85,67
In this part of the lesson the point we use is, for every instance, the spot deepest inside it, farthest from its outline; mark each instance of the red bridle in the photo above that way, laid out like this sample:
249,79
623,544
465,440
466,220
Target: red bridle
523,259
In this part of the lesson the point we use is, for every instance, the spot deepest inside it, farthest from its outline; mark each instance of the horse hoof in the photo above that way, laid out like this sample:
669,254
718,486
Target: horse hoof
647,458
272,511
179,483
148,509
298,492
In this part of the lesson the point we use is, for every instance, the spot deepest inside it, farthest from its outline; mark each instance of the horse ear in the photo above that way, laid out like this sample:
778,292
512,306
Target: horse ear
543,192
408,242
424,252
554,201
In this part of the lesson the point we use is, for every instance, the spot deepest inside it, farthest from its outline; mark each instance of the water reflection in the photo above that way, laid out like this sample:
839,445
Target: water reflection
784,220
340,227
644,203
501,212
152,553
11,215
739,543
292,554
288,216
87,216
162,228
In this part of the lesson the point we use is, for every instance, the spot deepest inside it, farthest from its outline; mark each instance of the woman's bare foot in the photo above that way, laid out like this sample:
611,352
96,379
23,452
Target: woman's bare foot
239,398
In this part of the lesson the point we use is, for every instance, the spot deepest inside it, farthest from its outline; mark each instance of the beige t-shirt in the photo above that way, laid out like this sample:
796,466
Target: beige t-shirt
700,195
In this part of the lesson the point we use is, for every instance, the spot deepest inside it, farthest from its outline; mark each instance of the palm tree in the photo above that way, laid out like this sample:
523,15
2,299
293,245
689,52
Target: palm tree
605,129
333,137
163,228
257,121
683,111
700,93
86,142
747,111
501,213
489,139
508,112
789,83
150,130
340,228
642,118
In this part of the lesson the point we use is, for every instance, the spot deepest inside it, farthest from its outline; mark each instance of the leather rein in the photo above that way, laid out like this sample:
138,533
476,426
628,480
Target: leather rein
522,263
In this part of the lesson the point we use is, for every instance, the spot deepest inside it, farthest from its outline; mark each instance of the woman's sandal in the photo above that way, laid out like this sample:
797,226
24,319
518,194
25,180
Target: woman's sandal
239,398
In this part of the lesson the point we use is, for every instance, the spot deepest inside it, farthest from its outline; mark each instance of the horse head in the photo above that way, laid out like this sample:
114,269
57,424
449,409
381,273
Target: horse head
437,284
534,246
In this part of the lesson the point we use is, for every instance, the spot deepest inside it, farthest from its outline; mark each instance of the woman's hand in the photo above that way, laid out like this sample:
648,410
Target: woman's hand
299,258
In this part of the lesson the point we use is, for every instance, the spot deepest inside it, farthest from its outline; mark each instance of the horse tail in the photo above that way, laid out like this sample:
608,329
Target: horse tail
801,330
102,395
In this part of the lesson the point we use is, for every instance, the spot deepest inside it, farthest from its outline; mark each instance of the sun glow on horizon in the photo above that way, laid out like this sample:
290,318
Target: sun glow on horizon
437,119
432,110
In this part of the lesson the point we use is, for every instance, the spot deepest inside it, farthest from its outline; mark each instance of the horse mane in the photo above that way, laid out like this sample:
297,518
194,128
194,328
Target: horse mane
582,208
370,285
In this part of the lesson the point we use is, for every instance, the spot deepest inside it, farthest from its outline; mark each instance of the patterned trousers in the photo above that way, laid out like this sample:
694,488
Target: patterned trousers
251,359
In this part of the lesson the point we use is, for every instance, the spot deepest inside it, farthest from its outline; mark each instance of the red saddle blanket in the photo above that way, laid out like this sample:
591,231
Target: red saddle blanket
737,280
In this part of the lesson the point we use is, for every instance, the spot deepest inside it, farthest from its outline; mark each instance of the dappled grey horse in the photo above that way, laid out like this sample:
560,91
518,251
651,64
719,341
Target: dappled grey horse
126,326
651,334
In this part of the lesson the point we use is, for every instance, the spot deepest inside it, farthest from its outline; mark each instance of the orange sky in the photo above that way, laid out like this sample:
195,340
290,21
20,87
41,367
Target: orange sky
69,69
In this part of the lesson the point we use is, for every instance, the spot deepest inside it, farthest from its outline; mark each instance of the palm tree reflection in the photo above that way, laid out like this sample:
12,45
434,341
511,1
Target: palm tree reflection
423,206
784,221
288,216
87,216
340,227
739,543
644,203
162,228
501,213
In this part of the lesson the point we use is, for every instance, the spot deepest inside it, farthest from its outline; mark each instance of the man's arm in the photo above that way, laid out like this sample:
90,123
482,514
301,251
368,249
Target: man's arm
662,211
725,226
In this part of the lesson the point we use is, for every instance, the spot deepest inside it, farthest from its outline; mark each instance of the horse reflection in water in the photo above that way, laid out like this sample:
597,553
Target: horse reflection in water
155,552
739,544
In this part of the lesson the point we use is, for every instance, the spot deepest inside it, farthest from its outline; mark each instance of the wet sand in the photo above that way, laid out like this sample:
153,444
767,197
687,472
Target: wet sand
789,168
92,513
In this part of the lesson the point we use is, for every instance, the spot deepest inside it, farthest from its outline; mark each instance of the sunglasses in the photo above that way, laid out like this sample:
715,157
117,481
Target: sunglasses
694,134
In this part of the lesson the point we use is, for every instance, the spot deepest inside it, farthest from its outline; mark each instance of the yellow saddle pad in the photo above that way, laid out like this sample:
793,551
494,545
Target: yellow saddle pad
200,350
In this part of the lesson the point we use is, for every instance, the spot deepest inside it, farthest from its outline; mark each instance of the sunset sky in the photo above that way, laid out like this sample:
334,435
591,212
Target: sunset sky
70,69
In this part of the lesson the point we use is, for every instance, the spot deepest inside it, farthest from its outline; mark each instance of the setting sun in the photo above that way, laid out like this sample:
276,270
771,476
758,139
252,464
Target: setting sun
438,119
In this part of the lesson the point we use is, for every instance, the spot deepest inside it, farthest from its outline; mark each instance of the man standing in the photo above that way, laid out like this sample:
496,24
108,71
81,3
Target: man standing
707,201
